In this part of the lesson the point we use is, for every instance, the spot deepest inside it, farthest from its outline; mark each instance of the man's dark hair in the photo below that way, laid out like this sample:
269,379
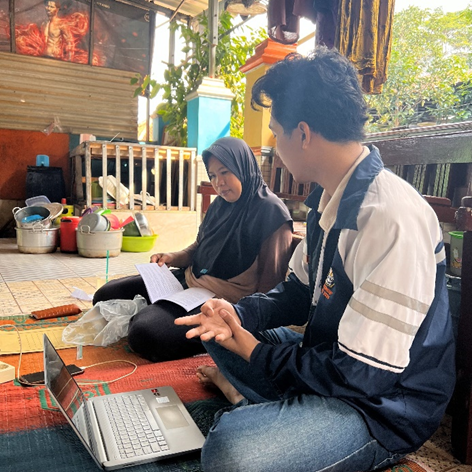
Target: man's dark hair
321,89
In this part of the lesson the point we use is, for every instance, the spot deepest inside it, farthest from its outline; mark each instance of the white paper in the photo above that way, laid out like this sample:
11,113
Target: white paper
161,284
190,298
81,295
159,280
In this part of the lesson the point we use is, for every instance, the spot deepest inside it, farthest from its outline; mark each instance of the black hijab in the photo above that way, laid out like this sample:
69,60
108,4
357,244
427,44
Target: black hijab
231,235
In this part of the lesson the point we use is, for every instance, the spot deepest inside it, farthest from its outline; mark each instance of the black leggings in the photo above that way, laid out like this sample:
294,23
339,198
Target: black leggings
152,333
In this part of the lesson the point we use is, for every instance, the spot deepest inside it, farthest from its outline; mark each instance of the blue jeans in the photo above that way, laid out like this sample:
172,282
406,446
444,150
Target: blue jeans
266,432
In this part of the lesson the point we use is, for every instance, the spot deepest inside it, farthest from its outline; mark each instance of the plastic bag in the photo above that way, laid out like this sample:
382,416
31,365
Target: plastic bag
104,324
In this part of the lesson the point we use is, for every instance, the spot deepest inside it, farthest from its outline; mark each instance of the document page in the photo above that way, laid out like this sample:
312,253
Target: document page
191,297
161,284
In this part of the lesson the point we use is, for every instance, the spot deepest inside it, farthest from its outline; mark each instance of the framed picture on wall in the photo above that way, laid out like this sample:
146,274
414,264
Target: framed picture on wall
61,30
4,25
58,29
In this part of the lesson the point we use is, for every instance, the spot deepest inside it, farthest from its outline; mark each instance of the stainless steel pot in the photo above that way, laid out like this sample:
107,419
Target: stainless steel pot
37,241
96,244
26,217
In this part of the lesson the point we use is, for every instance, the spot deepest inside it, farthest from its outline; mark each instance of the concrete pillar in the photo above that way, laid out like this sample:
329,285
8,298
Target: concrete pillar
208,113
256,123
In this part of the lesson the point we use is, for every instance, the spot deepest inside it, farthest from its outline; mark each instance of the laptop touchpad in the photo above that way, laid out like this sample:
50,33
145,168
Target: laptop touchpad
172,417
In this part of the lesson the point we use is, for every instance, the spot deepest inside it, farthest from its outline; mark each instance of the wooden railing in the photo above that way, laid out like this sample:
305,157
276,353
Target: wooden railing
167,175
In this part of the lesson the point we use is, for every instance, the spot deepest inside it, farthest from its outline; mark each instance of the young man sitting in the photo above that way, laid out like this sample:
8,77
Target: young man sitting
371,377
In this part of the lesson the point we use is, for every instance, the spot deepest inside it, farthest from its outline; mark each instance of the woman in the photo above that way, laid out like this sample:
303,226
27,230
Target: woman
243,246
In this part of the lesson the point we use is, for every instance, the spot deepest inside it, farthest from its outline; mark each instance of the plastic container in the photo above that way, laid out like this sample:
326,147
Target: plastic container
114,221
69,234
96,244
35,200
455,264
138,243
67,210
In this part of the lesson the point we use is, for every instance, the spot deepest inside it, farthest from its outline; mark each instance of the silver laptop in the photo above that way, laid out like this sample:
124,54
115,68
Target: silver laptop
124,429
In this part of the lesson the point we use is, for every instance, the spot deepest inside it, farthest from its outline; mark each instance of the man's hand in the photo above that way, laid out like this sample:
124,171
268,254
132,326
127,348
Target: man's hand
242,342
209,322
219,321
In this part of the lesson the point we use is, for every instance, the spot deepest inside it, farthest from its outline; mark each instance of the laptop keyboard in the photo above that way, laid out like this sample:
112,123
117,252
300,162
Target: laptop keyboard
135,429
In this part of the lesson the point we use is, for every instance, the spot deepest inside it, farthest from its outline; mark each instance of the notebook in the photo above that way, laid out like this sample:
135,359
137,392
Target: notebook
124,429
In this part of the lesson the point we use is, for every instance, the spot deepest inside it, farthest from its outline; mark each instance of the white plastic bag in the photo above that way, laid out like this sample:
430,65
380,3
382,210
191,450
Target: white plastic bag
104,324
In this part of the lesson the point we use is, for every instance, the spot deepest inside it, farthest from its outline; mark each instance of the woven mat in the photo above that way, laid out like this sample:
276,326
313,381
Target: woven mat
36,437
408,465
27,322
30,332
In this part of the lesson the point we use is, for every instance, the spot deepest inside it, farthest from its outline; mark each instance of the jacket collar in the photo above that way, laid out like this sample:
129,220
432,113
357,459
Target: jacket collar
355,191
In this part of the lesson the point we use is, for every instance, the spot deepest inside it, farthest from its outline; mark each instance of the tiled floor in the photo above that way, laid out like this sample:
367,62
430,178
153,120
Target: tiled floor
35,281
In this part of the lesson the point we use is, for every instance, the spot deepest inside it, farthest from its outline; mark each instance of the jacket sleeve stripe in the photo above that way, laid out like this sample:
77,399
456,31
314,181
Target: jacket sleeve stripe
383,318
395,297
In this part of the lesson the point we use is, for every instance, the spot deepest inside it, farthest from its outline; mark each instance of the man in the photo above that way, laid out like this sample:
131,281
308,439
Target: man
58,38
370,379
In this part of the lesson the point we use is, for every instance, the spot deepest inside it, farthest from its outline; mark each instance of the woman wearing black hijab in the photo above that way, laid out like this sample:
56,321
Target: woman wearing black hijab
242,247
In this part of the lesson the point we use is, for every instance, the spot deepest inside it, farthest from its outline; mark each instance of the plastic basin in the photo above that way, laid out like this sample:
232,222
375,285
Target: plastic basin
138,243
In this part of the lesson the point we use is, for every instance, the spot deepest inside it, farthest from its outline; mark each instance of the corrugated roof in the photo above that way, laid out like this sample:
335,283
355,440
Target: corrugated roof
188,8
184,8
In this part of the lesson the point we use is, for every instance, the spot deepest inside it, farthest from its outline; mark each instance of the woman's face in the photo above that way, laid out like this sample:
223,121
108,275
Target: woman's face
225,183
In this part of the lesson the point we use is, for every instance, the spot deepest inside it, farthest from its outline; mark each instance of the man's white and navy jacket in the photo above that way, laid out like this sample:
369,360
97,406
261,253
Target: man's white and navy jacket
372,289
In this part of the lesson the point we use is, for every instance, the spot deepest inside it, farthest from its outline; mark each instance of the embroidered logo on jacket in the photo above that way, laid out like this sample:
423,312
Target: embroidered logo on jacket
327,289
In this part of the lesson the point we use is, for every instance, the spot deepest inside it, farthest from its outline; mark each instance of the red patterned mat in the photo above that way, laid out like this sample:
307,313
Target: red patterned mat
28,408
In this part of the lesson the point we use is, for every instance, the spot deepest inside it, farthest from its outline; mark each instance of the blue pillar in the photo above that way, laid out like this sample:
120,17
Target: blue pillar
208,113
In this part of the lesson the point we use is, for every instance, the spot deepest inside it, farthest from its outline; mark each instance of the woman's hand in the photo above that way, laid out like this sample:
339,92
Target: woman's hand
163,258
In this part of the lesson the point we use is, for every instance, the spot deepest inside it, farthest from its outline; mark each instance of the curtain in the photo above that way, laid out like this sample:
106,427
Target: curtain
361,30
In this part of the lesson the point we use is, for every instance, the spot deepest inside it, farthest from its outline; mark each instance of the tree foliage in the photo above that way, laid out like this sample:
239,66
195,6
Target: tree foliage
429,75
181,79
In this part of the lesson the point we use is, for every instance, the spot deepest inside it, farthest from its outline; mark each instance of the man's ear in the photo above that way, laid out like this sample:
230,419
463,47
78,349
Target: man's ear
305,133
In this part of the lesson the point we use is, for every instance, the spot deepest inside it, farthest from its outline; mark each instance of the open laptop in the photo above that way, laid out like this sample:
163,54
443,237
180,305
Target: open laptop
124,429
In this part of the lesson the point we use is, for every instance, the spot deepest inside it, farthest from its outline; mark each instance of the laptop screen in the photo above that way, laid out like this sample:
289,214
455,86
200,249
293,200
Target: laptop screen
60,383
66,392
